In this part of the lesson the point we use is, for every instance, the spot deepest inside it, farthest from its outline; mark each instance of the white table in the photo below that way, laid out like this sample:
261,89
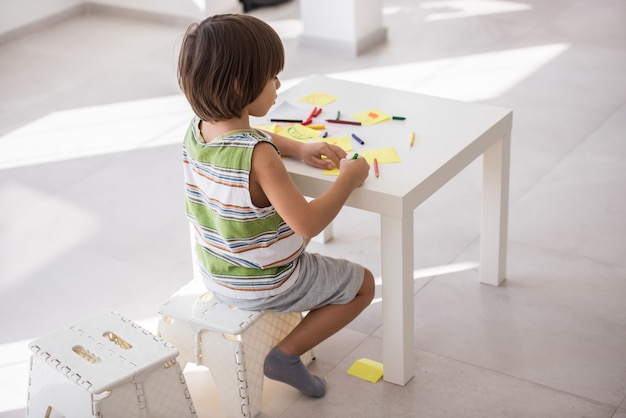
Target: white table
449,136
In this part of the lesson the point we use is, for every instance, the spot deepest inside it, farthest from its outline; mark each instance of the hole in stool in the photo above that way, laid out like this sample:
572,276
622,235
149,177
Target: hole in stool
117,340
169,363
232,337
102,395
51,413
84,353
206,297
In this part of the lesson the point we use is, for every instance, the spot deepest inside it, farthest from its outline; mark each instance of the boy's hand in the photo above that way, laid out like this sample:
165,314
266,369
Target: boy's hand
355,171
312,154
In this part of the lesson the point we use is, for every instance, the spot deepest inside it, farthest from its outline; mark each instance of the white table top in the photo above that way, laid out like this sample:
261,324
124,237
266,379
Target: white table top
448,136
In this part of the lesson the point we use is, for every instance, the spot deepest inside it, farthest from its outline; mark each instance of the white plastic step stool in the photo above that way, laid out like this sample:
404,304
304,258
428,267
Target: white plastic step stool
232,343
106,366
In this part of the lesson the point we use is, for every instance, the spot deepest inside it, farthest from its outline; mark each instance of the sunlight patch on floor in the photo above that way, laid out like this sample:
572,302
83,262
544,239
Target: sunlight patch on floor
442,10
476,77
126,126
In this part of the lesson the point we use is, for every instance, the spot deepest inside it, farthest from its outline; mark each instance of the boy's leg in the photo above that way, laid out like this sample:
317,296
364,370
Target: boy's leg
321,323
283,363
289,369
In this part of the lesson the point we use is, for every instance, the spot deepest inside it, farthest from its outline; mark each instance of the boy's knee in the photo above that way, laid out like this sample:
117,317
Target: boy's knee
369,286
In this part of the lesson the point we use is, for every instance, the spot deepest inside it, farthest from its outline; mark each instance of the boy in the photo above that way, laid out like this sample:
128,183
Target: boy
251,222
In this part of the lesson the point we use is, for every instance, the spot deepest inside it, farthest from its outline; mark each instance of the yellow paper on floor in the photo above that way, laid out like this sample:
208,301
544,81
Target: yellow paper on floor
367,369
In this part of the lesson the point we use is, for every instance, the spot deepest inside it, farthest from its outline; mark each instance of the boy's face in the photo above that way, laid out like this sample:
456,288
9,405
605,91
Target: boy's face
261,105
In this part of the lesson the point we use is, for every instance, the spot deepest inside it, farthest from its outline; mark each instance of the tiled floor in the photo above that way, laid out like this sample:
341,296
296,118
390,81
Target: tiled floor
91,117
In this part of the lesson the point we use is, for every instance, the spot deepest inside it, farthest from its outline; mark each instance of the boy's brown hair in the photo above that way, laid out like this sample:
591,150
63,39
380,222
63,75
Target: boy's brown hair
225,62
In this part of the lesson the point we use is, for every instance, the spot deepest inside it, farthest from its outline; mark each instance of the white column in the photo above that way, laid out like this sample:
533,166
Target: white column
344,26
214,7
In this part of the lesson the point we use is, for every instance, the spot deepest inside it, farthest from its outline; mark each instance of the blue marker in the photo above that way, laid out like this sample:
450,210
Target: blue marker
359,140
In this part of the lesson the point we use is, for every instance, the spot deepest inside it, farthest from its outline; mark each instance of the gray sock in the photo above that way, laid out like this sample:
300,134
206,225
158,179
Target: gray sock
289,369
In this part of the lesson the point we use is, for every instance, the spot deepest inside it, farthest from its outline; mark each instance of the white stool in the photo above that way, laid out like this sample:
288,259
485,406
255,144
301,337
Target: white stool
106,366
231,342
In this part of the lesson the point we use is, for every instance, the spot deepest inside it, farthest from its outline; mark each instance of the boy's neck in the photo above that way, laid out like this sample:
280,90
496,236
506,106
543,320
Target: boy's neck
211,130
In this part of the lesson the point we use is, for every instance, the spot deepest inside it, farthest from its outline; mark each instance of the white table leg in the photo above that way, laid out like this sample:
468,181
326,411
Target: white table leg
493,238
397,271
324,236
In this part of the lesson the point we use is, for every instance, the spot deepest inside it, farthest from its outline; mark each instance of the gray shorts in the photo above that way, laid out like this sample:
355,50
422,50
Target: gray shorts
323,281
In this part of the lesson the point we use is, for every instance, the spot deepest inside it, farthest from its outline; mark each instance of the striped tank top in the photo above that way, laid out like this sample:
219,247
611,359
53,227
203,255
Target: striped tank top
242,251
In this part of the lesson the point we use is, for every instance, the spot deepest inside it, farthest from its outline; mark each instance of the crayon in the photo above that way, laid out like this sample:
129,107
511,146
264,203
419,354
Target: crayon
359,140
286,120
345,122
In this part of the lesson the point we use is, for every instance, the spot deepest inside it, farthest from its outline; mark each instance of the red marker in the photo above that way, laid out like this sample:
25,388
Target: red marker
376,167
309,118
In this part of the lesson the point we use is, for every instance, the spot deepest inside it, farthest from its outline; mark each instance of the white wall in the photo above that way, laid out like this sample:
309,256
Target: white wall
18,14
193,9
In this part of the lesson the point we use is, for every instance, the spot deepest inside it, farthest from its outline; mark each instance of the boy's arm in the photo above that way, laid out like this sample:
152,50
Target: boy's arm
306,218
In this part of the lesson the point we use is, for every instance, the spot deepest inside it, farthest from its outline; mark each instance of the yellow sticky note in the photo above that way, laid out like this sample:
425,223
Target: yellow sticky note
298,132
319,99
268,128
383,155
367,369
370,117
342,142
